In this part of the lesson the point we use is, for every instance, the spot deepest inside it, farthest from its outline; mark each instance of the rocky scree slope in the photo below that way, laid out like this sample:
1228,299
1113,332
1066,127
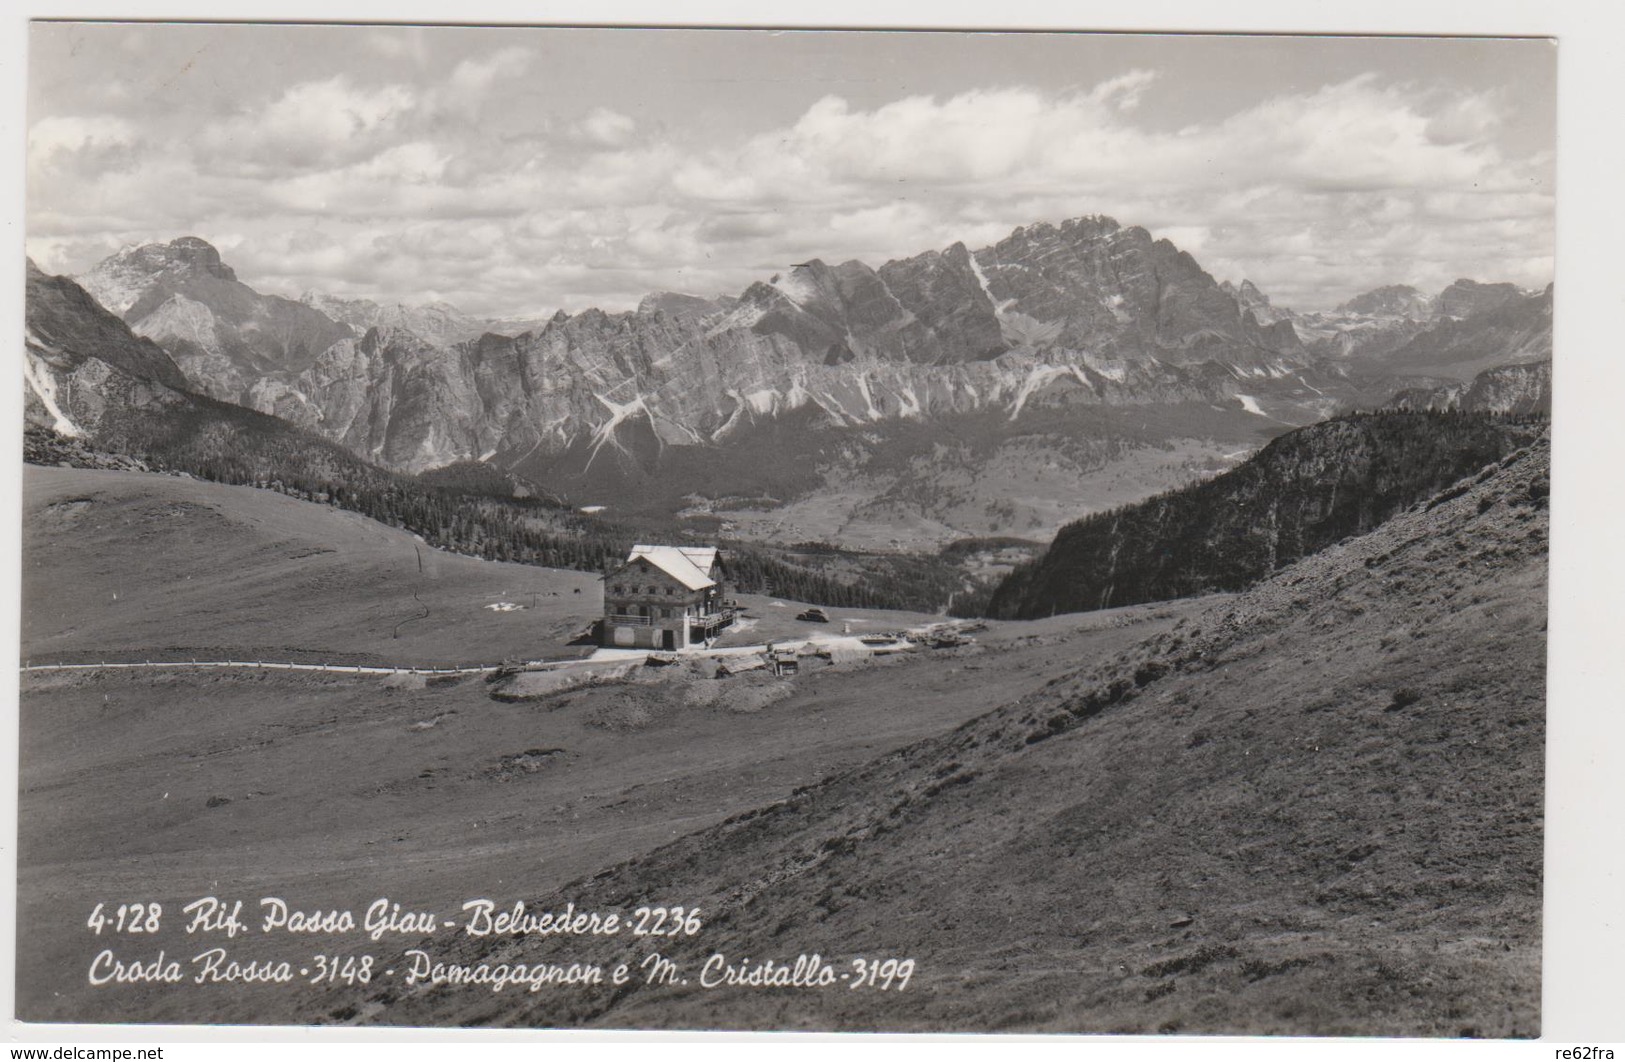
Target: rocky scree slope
1313,809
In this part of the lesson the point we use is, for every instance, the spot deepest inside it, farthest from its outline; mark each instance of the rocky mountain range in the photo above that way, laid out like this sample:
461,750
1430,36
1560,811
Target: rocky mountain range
92,385
1088,311
1463,329
439,322
1514,330
1001,349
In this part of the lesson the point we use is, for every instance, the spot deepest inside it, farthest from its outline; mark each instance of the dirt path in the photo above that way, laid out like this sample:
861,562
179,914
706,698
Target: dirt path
347,669
599,657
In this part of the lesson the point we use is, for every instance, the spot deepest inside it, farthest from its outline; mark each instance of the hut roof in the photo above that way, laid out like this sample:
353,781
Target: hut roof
689,565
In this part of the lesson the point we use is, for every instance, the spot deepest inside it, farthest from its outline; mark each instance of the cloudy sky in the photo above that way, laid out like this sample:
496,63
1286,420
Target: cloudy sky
515,171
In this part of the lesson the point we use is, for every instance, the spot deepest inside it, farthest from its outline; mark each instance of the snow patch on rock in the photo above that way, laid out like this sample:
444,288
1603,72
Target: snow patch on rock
43,384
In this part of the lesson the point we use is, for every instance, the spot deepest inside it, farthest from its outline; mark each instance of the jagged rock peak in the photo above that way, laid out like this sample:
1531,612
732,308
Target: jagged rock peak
1467,297
1253,301
195,251
1090,225
119,280
182,253
1247,292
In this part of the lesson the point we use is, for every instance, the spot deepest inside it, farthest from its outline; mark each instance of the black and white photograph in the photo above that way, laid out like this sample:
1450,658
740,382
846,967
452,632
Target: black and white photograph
803,530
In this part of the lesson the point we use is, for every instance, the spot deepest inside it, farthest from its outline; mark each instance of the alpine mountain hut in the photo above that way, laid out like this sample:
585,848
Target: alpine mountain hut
664,597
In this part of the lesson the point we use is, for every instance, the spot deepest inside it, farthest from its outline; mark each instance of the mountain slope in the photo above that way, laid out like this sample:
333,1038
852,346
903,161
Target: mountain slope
83,370
238,573
1315,809
89,376
1500,327
68,328
885,471
1398,330
1506,389
1467,327
1302,492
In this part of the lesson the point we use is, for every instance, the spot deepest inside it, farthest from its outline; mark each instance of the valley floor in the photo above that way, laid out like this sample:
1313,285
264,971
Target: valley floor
1018,492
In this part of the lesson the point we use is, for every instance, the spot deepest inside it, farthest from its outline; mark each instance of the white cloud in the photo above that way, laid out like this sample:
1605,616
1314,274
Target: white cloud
312,124
1124,92
50,139
606,128
476,76
397,190
1305,187
1464,118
